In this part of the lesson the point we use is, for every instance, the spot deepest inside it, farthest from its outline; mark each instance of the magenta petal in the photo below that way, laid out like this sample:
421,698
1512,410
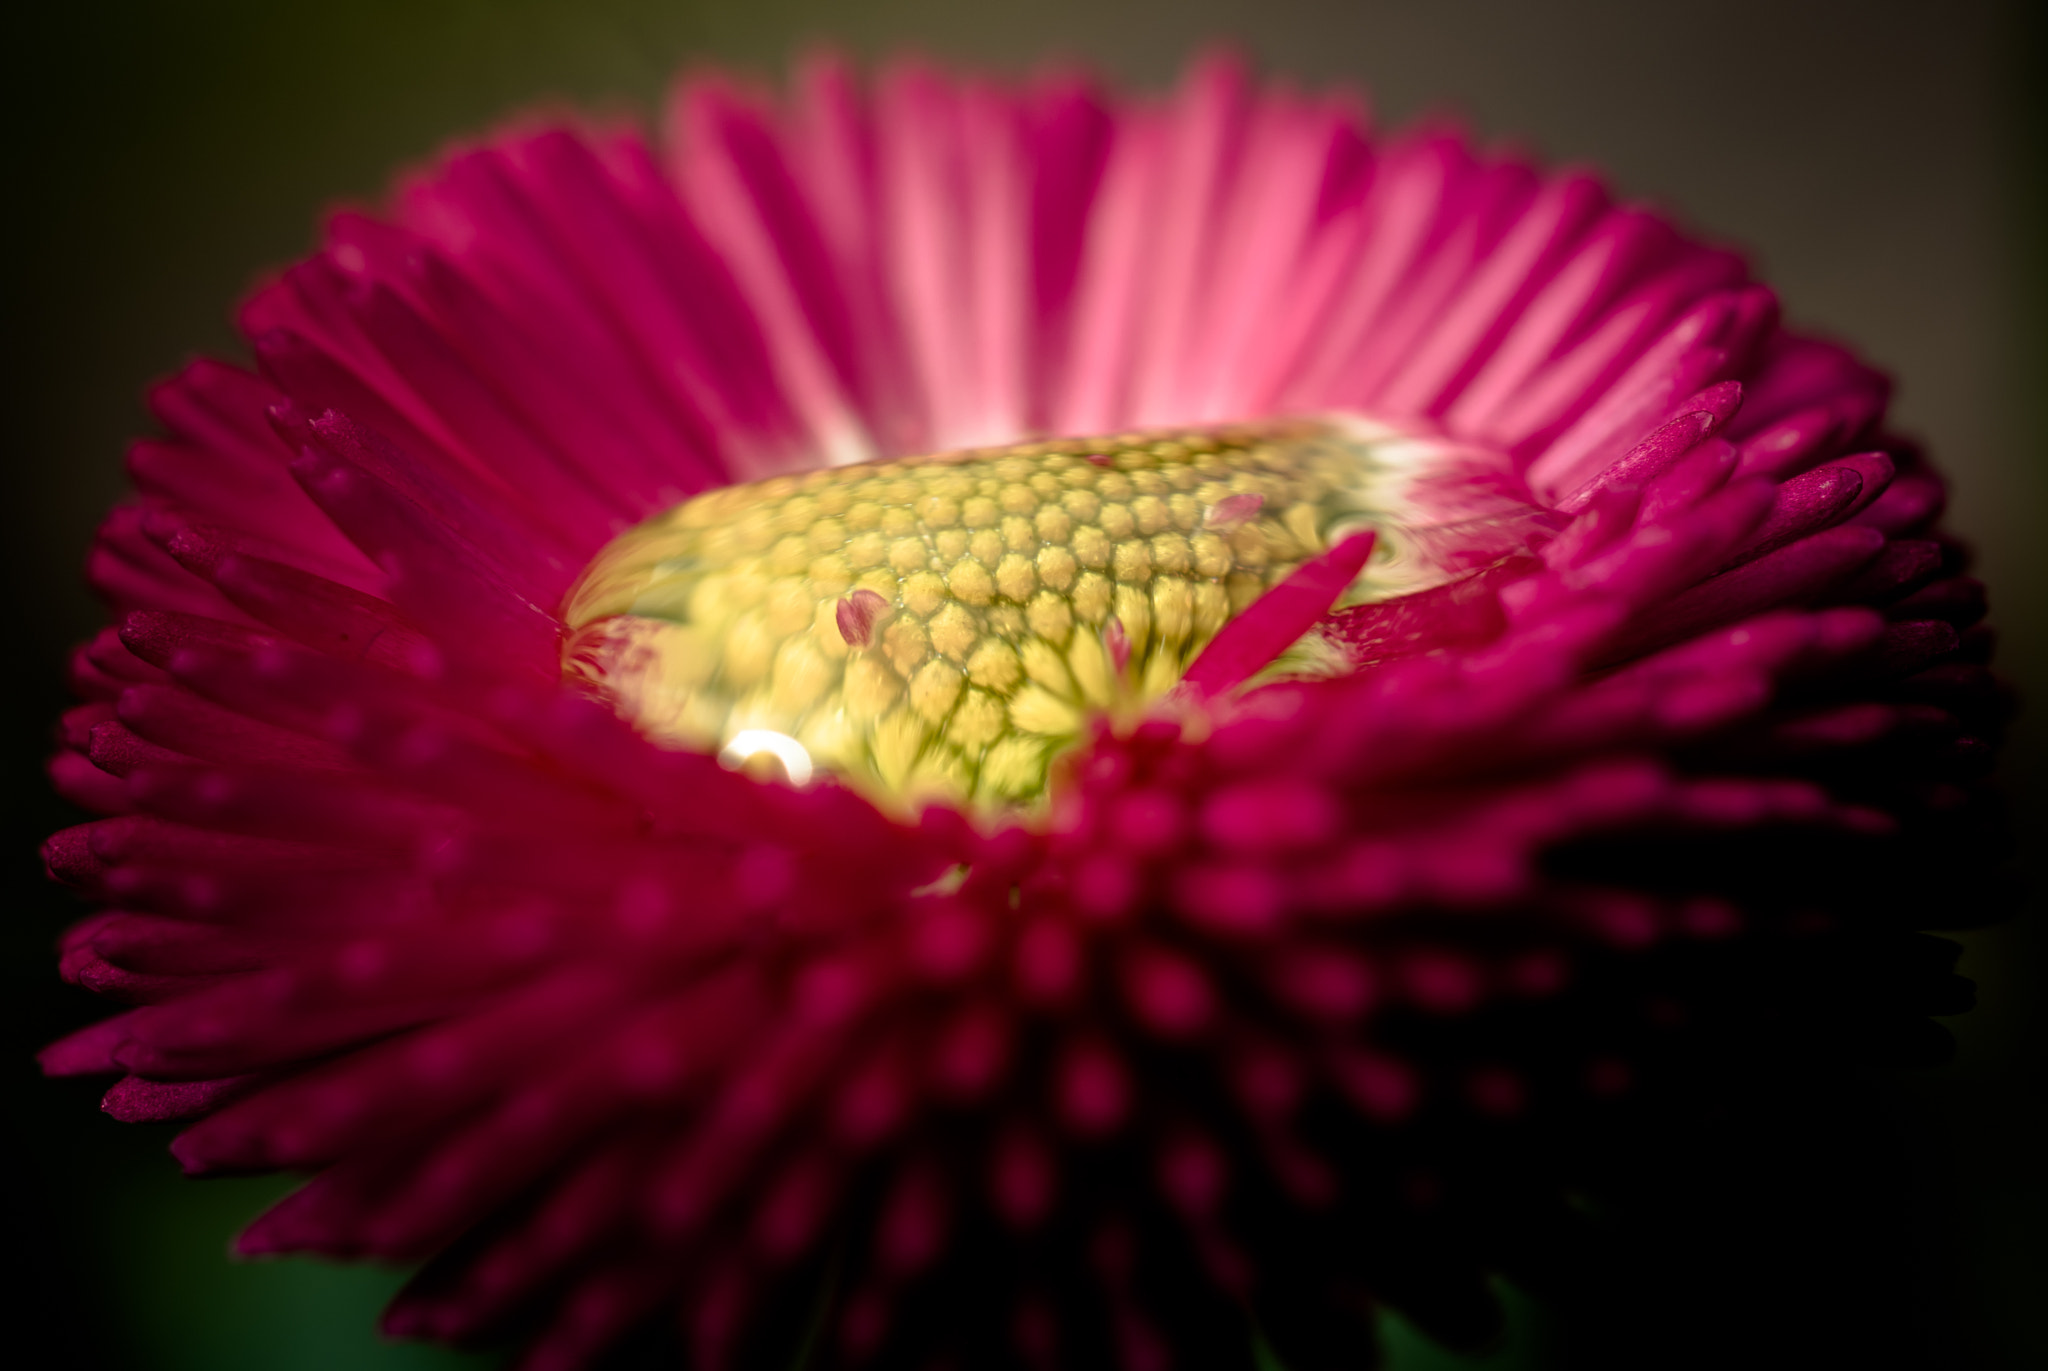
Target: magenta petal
436,578
1286,612
1705,413
135,1100
90,1050
1795,573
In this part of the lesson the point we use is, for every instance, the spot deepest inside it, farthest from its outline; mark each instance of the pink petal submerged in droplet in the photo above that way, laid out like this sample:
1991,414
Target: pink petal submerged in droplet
857,615
1232,510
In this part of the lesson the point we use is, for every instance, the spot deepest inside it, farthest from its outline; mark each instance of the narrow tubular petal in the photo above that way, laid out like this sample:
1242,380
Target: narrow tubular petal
435,578
1288,611
732,165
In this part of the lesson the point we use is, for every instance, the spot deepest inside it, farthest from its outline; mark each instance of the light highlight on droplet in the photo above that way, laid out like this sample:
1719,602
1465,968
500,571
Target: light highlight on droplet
750,743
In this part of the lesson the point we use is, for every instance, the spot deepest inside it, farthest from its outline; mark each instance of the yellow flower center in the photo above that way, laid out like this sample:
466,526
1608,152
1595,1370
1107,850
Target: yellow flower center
941,627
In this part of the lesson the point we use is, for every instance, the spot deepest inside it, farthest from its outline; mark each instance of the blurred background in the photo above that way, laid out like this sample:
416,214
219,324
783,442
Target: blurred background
1881,160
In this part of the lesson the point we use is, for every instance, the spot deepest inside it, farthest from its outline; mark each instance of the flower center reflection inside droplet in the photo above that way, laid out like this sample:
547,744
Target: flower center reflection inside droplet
940,628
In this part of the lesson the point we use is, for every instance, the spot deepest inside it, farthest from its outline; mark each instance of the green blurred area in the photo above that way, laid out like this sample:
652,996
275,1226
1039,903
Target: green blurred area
1882,159
182,1305
192,1310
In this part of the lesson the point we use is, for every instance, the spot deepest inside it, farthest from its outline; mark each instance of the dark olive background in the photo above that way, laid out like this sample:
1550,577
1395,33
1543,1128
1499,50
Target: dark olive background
1881,160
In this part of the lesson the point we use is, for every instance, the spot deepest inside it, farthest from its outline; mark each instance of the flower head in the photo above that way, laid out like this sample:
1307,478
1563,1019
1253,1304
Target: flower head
1036,721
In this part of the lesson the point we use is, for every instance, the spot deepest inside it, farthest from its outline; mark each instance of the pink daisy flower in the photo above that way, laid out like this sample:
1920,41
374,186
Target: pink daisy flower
999,723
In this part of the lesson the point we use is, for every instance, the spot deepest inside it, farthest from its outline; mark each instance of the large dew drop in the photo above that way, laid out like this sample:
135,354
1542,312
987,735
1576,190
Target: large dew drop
940,628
